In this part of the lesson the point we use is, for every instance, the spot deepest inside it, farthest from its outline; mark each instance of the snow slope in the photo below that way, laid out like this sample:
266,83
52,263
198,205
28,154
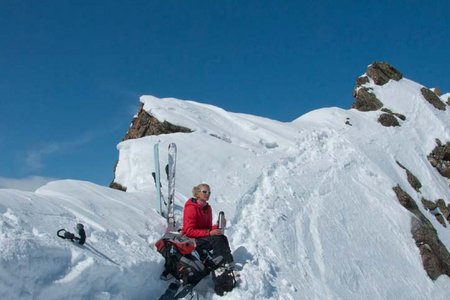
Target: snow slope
310,207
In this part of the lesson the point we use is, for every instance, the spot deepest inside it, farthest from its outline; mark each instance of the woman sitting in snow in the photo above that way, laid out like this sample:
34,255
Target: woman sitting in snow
197,224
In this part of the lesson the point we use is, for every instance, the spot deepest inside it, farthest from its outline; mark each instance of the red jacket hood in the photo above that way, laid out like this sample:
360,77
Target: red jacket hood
197,219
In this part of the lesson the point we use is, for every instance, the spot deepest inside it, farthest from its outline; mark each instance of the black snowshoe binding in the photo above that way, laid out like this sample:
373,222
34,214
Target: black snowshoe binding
81,239
177,290
224,279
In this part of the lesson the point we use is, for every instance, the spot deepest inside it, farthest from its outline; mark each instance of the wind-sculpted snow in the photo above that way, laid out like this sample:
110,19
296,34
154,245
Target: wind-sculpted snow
36,264
310,207
304,233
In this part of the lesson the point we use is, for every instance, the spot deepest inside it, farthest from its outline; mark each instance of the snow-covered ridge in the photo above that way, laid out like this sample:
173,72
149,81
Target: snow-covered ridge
310,207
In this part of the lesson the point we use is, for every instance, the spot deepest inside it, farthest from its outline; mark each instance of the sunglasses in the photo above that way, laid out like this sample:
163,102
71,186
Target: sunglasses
206,192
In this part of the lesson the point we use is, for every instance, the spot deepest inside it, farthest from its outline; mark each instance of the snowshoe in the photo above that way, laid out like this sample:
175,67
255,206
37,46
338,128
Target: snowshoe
178,291
224,280
171,291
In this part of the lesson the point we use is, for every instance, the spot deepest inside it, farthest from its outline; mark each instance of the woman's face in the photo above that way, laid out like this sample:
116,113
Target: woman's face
204,193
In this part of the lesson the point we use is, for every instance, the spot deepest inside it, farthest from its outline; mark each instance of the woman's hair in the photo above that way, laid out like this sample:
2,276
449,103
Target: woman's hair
196,189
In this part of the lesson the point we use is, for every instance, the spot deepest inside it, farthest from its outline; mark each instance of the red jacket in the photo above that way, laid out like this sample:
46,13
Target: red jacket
197,220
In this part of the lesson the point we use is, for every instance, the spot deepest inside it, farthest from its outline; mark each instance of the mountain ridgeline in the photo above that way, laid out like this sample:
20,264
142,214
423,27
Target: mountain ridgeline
336,204
374,103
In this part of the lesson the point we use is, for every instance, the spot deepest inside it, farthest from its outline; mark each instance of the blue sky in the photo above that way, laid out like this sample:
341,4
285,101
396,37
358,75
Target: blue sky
71,72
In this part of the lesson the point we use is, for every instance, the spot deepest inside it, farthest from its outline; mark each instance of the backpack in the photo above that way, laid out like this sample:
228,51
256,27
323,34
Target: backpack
181,259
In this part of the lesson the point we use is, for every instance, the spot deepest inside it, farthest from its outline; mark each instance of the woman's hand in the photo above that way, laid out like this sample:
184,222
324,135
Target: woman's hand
215,232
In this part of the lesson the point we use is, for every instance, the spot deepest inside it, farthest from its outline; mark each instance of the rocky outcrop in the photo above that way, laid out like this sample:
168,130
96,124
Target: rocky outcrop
117,186
437,91
145,124
440,158
365,100
433,99
412,179
435,257
400,116
439,209
388,120
380,73
445,209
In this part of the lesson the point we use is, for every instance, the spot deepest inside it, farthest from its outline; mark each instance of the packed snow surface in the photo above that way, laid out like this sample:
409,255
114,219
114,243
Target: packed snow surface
310,207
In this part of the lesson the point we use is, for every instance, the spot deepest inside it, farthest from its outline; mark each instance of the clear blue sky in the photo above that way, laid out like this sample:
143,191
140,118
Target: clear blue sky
71,72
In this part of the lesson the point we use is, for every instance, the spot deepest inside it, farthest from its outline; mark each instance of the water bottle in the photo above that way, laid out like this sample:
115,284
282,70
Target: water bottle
221,221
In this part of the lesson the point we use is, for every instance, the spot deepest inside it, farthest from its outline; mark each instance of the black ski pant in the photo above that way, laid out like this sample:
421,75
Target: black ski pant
218,244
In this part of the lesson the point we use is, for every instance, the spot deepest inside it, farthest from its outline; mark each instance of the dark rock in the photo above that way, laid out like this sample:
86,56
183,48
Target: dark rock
433,99
145,124
388,120
366,101
440,158
443,208
446,152
437,91
412,179
117,186
360,81
400,116
428,204
439,209
440,219
435,256
406,201
382,72
387,110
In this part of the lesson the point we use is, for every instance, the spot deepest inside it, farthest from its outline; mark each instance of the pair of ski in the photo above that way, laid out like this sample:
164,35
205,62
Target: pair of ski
170,172
175,290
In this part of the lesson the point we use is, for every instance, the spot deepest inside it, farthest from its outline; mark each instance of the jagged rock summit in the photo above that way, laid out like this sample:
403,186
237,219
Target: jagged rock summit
144,124
379,74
